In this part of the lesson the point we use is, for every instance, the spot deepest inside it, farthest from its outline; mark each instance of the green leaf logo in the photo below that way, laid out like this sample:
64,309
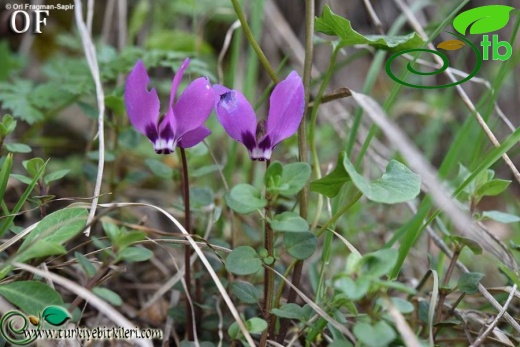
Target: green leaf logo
483,19
55,315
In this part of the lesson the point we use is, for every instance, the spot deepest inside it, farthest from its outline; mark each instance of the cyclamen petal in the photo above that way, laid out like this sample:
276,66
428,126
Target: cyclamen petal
236,115
142,105
286,109
194,106
182,123
285,114
193,137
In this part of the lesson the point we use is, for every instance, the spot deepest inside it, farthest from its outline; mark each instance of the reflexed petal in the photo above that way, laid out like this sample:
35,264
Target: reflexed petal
142,106
237,117
286,109
192,138
194,106
177,80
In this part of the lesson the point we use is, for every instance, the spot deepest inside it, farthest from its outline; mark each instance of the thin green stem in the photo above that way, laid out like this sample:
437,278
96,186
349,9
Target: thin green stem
187,249
338,214
250,37
312,130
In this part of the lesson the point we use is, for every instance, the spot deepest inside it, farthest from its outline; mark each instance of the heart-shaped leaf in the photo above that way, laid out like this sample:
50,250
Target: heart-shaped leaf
451,45
331,184
398,183
55,315
483,19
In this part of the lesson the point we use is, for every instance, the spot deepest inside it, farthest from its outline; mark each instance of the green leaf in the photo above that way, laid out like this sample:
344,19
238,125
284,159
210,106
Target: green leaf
116,104
402,305
353,289
16,96
55,315
8,123
245,292
300,245
331,184
111,230
379,263
87,266
493,187
33,165
17,148
289,222
244,198
254,325
243,260
398,183
135,254
201,196
57,227
130,238
56,175
332,24
159,169
22,178
501,217
30,296
94,155
273,176
377,335
40,249
108,295
468,282
290,311
294,177
5,172
483,19
473,245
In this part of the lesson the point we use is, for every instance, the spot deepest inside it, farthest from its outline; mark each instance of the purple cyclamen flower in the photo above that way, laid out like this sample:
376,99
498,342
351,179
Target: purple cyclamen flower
237,117
182,124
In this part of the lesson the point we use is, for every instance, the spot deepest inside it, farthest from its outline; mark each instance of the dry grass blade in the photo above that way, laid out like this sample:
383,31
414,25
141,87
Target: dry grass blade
350,246
493,324
92,299
204,260
90,55
409,337
430,182
433,303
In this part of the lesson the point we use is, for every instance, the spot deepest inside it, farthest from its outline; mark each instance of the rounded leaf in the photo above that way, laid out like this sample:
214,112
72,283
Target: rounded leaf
243,260
300,245
289,222
244,198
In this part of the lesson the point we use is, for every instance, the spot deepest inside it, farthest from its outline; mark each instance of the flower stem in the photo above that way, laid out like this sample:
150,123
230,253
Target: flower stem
187,248
268,275
302,149
252,41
